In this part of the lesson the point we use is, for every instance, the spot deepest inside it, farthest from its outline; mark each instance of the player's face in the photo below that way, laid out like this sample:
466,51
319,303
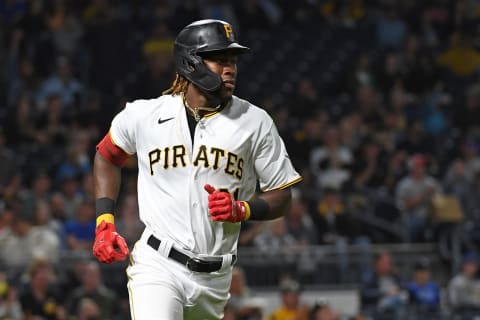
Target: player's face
225,65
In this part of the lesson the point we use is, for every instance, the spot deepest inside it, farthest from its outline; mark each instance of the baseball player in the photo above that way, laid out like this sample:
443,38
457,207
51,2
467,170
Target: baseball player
201,153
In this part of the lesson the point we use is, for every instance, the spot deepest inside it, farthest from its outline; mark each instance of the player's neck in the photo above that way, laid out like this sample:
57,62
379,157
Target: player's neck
195,99
197,103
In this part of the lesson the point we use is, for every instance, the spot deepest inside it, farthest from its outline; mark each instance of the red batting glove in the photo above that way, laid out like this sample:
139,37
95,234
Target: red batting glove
224,208
107,241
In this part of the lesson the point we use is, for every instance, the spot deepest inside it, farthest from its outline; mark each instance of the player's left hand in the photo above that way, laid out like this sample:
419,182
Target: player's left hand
222,206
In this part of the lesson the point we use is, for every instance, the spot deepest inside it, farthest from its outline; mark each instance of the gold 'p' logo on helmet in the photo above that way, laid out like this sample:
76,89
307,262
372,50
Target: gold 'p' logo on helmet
228,30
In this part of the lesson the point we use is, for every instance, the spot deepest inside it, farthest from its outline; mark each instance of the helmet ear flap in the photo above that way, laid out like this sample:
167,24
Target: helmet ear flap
192,67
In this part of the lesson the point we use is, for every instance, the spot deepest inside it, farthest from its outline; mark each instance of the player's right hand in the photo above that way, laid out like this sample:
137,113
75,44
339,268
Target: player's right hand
107,241
222,206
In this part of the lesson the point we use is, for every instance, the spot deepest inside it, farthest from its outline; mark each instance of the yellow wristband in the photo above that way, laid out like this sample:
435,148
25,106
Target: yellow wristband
107,217
247,210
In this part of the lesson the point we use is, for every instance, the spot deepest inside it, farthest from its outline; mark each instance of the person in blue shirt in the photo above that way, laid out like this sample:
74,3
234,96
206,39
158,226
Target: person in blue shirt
424,293
80,230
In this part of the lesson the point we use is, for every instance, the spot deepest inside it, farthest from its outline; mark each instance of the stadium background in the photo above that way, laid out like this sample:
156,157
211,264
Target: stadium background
364,93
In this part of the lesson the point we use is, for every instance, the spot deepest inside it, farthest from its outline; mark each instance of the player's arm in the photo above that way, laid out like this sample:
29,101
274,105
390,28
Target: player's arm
109,246
107,178
268,205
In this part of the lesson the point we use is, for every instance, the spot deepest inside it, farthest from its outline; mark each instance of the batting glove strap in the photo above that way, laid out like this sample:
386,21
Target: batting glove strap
109,246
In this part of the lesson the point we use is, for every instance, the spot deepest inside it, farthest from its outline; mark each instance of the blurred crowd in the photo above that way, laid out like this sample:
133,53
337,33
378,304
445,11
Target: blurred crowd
389,152
384,295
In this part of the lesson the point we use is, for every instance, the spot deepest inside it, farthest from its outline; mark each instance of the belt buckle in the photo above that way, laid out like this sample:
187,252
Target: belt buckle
196,264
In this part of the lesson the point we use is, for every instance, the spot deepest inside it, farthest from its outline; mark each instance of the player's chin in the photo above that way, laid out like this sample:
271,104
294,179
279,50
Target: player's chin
227,92
225,96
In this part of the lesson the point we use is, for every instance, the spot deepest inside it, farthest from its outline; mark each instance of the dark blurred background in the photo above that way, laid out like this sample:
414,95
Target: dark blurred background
378,103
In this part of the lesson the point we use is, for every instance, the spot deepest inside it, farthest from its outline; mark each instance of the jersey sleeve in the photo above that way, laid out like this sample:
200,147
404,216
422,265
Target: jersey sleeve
122,130
272,164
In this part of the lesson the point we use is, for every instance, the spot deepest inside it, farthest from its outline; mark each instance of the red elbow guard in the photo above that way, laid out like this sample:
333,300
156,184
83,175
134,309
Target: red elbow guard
111,152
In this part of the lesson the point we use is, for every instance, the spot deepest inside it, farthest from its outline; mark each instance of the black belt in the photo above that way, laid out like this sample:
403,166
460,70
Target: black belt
208,265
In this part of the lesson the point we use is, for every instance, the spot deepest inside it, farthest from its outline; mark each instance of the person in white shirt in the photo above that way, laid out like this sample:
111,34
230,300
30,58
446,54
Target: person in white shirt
201,154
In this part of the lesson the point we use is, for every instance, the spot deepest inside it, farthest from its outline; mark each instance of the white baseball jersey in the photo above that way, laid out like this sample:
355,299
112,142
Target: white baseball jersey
231,150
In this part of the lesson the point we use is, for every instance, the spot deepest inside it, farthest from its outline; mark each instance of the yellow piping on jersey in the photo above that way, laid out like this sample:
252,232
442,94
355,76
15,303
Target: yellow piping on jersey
214,113
285,185
130,294
131,300
210,115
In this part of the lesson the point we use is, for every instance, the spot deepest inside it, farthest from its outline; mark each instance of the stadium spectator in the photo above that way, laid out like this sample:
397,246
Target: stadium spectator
461,58
43,219
20,71
330,163
21,242
470,153
291,308
249,232
275,237
304,98
87,186
51,122
158,71
308,136
464,288
424,294
92,287
78,159
338,226
434,116
20,126
333,220
391,74
299,221
72,195
40,297
62,83
362,74
457,182
353,130
382,292
10,308
80,231
127,222
65,28
368,104
323,311
241,298
391,29
40,189
57,206
413,196
370,167
88,309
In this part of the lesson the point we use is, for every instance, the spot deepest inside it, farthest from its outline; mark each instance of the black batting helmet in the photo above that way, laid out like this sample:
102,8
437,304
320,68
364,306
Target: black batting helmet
201,37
